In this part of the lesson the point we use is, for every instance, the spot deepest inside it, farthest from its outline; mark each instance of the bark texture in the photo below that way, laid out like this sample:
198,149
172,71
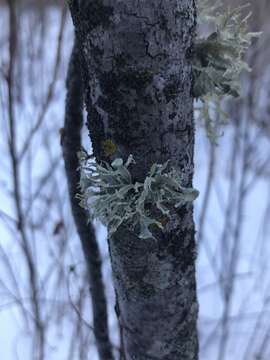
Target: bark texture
136,57
71,142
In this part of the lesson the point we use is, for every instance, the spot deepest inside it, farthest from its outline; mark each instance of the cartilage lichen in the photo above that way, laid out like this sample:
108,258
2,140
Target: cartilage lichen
110,194
218,58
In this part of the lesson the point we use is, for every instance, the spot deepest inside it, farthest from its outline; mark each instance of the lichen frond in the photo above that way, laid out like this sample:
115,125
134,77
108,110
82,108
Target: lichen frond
212,116
111,195
206,10
219,57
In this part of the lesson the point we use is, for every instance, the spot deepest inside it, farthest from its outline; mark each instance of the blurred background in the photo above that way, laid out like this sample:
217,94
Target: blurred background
45,310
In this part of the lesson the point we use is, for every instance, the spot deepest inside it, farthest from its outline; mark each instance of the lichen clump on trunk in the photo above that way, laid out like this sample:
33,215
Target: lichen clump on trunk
112,196
218,59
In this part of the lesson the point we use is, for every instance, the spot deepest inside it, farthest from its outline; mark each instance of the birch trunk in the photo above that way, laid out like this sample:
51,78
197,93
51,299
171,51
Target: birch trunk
136,59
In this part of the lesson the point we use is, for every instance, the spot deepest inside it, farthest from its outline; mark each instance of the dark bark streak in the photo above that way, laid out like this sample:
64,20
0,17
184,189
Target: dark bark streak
71,142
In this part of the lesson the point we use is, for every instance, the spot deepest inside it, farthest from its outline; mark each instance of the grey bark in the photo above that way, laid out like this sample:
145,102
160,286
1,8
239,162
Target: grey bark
71,142
136,58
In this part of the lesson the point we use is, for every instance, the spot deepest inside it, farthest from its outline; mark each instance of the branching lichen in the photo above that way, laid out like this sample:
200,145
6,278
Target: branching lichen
111,195
218,57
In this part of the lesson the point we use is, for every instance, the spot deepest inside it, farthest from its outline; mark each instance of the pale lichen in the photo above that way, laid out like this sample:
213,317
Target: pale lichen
219,58
111,195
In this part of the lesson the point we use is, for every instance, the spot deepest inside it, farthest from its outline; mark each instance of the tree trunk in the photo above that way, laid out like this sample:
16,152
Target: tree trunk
136,59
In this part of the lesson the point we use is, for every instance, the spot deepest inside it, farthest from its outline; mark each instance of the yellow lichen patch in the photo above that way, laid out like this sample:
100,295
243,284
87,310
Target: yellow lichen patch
108,147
